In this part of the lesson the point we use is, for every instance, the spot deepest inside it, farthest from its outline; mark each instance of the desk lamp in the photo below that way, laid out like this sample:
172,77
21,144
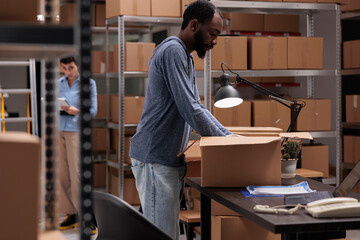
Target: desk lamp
227,96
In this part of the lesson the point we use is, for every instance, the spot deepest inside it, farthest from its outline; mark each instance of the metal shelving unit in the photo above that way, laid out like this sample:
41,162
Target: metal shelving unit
309,10
123,128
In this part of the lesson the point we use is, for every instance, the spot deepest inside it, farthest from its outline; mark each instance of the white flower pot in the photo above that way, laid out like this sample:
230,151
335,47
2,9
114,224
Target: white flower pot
288,168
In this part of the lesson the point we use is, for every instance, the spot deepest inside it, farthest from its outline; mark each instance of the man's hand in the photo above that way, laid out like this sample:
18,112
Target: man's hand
71,110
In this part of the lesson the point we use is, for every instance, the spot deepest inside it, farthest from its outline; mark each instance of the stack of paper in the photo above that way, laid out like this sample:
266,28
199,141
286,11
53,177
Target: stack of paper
302,187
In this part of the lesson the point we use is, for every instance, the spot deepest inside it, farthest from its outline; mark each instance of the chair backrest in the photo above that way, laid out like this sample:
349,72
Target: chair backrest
116,220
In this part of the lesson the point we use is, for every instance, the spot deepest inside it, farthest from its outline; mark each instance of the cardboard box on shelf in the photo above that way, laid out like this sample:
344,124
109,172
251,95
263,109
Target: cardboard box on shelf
19,11
114,145
98,61
352,107
128,7
245,22
101,109
235,116
98,15
303,1
315,157
230,50
98,139
305,53
137,56
277,79
166,8
133,108
68,14
351,58
281,23
350,5
224,161
20,185
99,174
315,116
235,227
198,62
267,52
270,113
351,149
131,195
184,4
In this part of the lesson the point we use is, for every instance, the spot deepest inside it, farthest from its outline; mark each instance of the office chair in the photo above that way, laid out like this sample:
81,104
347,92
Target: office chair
116,220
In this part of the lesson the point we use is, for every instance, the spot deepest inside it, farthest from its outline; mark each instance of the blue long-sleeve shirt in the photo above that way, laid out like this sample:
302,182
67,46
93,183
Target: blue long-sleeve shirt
70,123
172,108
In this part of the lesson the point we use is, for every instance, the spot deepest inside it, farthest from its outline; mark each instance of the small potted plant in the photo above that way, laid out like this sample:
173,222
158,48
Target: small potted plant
289,156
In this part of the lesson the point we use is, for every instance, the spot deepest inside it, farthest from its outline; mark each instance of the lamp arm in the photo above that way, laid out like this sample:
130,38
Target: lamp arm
265,91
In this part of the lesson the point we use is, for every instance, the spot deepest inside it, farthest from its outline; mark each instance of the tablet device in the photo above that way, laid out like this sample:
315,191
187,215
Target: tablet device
63,103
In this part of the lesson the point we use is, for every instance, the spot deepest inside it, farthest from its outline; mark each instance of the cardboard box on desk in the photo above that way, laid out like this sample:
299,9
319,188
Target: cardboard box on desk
235,116
225,161
128,7
305,53
230,50
315,116
20,186
255,131
352,103
315,157
137,56
270,113
267,52
235,227
133,108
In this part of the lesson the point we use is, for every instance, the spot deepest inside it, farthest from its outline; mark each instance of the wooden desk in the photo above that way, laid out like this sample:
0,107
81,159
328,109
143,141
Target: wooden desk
300,225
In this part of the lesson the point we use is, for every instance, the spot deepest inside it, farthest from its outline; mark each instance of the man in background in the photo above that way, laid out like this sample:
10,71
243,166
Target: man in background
69,143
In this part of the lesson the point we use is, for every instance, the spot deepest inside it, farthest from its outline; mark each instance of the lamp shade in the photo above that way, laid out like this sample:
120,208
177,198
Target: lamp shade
227,96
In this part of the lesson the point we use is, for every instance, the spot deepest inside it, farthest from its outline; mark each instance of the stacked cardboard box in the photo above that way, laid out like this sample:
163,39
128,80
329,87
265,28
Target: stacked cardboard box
351,5
230,50
18,11
137,56
235,116
99,174
236,227
166,8
98,61
128,7
101,103
351,56
316,116
267,53
99,139
115,143
131,195
270,113
281,23
305,53
351,149
352,108
245,22
68,14
20,186
133,108
315,157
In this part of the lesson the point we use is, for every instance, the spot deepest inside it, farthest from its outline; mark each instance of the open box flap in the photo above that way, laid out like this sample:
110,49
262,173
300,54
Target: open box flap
227,141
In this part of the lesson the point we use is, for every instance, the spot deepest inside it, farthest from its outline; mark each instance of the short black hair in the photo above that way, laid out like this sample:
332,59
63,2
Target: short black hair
68,60
202,10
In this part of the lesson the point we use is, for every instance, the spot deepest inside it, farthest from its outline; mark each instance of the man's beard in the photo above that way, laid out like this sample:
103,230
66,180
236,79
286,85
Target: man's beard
199,44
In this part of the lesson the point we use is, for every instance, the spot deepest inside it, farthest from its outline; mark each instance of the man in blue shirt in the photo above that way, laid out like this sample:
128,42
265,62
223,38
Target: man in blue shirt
69,143
172,109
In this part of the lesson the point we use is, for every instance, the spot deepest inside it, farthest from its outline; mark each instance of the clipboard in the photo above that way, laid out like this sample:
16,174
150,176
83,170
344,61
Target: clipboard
63,103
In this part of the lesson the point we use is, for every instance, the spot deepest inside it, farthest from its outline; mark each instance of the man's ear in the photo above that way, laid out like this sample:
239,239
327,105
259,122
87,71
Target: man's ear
194,25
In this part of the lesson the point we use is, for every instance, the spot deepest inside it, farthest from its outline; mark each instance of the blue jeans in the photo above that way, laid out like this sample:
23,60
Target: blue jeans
160,188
